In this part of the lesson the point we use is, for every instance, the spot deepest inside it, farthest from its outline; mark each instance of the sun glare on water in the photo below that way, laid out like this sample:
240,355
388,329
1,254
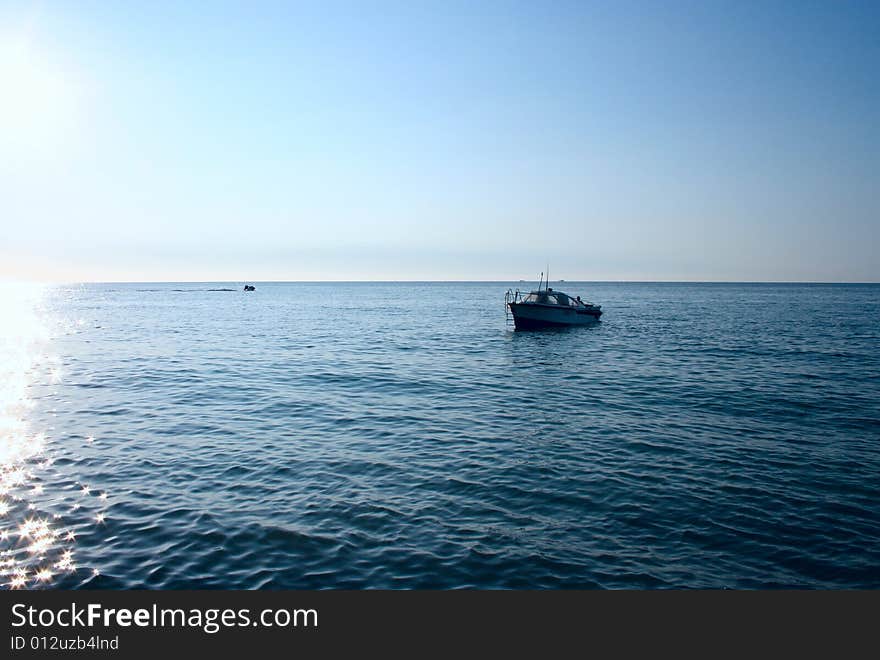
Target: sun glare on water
36,540
20,335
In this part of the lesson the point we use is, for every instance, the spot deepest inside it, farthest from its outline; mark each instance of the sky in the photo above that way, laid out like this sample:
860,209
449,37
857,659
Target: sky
228,141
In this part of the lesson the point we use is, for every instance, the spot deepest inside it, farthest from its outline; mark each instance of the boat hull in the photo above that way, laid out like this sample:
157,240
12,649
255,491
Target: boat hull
533,316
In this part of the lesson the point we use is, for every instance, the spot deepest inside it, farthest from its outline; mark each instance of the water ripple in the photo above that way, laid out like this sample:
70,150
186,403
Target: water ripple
401,436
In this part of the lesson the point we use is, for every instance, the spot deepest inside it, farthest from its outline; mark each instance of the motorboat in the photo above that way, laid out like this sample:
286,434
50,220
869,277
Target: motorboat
547,307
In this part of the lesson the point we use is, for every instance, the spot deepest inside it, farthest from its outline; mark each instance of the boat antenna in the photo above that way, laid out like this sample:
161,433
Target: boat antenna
547,283
540,281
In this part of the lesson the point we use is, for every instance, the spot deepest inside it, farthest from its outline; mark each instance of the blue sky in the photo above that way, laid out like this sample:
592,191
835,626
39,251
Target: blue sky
415,140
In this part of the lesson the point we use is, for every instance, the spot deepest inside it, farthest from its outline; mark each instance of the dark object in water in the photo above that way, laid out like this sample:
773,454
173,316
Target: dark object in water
548,308
249,287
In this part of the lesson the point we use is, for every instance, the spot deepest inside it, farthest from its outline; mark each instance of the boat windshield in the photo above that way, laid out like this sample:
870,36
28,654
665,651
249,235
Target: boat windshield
550,298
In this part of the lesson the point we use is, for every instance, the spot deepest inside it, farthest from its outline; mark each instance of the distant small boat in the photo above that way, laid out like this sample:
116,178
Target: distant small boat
546,308
249,287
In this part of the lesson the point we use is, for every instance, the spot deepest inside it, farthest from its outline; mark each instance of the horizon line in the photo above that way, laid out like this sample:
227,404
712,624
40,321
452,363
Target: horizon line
423,281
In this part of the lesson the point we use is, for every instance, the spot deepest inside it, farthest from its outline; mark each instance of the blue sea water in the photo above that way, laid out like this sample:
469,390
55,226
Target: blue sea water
403,435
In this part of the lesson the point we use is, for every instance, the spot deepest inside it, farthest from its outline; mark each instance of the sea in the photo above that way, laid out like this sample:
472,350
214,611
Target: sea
406,436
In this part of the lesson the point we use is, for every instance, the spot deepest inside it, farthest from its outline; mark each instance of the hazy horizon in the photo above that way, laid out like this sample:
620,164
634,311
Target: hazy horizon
447,281
701,142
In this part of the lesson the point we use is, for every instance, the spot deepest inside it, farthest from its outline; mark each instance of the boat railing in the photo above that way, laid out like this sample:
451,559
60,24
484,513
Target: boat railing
510,297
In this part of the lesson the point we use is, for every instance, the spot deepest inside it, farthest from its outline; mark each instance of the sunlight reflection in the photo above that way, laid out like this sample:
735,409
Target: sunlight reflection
33,550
